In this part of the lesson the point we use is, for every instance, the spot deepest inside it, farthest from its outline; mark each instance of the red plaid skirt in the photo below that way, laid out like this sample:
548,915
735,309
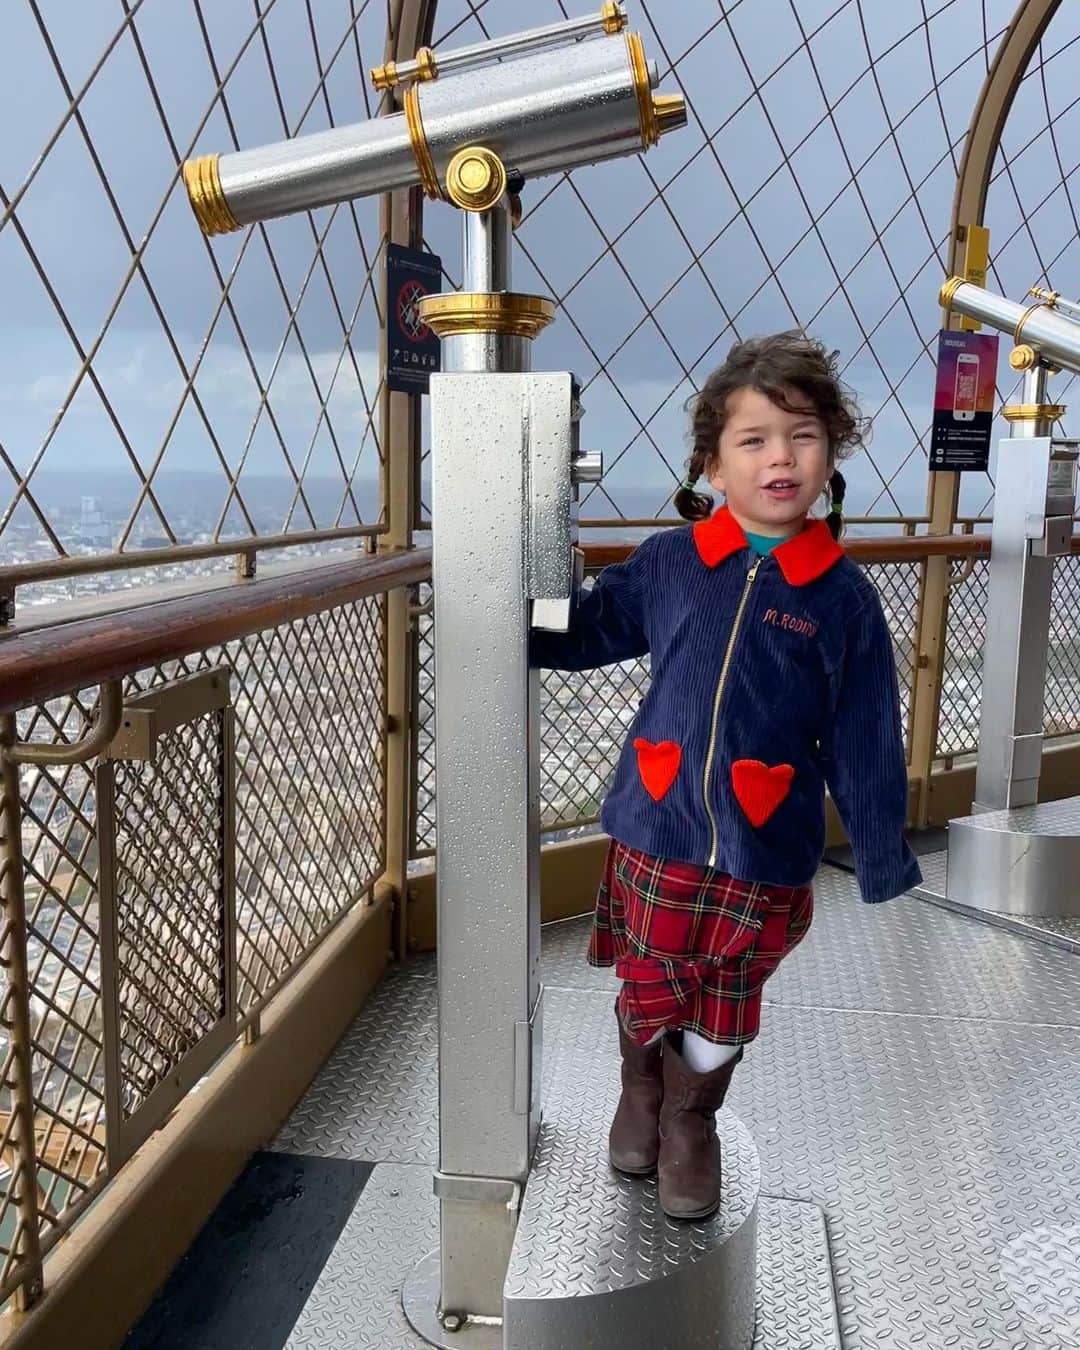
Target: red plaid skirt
693,947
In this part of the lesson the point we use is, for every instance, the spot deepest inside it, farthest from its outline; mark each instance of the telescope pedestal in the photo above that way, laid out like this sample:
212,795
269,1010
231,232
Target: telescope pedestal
597,1263
1024,861
595,1259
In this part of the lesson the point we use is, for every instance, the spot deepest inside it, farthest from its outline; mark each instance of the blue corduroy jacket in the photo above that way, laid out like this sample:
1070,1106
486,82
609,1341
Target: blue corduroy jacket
771,677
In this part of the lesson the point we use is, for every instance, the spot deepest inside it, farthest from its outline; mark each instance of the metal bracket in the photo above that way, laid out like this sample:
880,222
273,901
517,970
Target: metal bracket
479,1190
159,711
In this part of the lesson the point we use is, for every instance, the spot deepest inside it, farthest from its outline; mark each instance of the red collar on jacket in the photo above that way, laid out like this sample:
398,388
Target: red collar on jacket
802,559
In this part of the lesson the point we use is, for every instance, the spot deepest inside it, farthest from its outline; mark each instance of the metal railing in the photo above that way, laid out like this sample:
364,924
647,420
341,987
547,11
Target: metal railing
192,796
585,716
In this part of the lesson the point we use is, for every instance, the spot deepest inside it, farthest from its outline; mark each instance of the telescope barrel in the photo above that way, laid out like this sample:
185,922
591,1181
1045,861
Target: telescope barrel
1037,325
611,20
540,115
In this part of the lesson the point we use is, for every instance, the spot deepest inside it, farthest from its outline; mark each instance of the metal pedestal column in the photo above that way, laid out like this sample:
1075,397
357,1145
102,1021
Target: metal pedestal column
1013,855
1017,629
487,790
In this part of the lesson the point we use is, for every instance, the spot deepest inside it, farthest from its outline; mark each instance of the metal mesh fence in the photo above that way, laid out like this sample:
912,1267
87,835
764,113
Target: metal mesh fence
1062,708
898,585
203,390
961,685
812,186
171,904
961,695
309,709
584,717
1033,210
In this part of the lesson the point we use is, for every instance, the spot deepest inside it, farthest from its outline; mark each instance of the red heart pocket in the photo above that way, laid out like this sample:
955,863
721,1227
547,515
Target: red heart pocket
657,765
759,790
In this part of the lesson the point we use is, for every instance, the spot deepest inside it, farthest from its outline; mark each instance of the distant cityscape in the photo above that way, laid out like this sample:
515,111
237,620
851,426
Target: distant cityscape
89,518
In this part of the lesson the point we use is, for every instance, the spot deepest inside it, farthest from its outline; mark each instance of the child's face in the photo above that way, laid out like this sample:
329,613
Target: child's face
771,464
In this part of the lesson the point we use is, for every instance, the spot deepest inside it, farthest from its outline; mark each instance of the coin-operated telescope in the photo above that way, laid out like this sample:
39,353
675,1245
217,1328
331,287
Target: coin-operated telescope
476,124
542,102
1012,854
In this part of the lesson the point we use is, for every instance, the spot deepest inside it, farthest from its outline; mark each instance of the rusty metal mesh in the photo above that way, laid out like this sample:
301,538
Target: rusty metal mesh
171,904
309,706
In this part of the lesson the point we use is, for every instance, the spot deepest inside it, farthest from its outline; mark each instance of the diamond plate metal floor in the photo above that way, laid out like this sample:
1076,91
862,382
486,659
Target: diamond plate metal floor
916,1077
595,1259
356,1303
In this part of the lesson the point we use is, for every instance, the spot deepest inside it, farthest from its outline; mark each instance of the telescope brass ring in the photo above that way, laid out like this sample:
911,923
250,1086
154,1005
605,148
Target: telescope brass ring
505,313
475,178
945,295
639,67
429,180
1022,357
669,112
426,66
1033,412
384,77
203,183
1019,329
614,19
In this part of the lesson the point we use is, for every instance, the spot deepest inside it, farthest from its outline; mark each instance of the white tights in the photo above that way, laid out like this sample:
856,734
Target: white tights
702,1056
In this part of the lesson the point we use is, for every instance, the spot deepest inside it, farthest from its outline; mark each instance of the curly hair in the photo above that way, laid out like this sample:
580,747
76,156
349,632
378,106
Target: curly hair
775,366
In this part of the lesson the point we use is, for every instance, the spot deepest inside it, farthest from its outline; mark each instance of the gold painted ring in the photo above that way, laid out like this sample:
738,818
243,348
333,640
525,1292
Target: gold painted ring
203,182
505,313
639,67
613,18
1033,412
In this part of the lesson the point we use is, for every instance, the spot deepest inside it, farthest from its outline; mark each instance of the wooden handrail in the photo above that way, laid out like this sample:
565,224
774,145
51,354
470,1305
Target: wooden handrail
47,662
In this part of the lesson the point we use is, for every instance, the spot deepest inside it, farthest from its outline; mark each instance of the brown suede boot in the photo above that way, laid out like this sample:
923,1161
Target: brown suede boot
634,1141
689,1147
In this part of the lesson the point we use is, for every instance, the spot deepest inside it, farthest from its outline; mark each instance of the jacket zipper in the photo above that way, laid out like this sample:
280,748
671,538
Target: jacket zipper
721,682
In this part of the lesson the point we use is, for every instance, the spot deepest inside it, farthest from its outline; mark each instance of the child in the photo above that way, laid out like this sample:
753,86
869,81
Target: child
772,676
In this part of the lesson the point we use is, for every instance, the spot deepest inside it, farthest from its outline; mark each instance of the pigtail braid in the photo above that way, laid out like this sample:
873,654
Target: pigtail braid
837,489
693,505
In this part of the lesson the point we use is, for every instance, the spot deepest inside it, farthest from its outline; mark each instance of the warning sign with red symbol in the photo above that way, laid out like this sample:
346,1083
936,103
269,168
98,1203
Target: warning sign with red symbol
412,349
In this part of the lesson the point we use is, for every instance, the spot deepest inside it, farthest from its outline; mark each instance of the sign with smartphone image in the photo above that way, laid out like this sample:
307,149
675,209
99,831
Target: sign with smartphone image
963,401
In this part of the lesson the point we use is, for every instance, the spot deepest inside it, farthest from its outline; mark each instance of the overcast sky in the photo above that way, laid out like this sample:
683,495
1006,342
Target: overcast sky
867,102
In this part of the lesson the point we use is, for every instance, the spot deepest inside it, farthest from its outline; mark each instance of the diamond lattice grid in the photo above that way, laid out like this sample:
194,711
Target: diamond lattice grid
423,757
898,586
309,706
170,904
812,186
1062,707
961,686
309,701
203,389
585,721
1033,211
63,958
